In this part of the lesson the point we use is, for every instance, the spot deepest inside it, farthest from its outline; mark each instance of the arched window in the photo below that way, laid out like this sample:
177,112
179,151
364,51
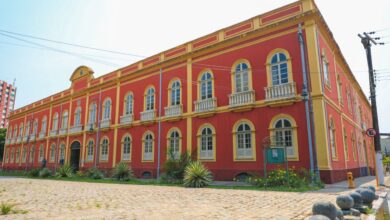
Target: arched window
52,153
126,148
62,152
104,150
64,121
175,93
345,144
90,150
244,141
9,134
17,155
339,89
174,145
55,122
349,100
35,126
27,131
107,109
332,138
206,143
148,147
15,131
241,77
32,154
284,135
77,116
353,142
21,130
44,124
41,152
279,69
206,86
13,155
129,104
325,69
92,113
24,154
149,99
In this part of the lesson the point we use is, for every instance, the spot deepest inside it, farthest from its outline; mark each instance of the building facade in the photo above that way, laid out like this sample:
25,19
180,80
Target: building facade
7,102
222,97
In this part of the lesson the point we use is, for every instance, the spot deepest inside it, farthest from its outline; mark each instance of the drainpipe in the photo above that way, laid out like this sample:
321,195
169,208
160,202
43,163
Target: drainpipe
159,125
306,97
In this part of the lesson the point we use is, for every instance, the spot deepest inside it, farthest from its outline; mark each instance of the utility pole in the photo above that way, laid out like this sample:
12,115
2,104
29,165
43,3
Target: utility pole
366,41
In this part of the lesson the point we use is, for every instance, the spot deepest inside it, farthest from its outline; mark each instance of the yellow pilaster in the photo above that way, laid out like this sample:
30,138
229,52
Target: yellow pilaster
24,133
82,147
67,151
189,105
319,105
48,131
116,122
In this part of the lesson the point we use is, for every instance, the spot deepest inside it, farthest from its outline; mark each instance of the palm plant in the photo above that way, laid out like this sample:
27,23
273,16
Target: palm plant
65,171
123,172
196,175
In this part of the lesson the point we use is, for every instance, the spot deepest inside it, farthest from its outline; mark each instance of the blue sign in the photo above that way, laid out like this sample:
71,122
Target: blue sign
275,155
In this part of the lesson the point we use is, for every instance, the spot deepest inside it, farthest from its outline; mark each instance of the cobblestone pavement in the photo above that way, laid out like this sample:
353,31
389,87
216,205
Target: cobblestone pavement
50,199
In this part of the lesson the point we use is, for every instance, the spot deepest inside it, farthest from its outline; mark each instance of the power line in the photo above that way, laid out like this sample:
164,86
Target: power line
72,44
63,51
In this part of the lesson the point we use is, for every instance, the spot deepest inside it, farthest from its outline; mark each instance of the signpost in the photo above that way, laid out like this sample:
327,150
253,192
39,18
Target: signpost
274,152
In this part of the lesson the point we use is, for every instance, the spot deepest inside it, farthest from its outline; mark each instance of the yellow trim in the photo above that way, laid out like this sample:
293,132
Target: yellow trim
199,80
175,79
131,146
118,86
146,95
253,140
233,74
101,149
294,134
268,65
189,103
86,114
143,146
169,138
318,104
345,144
199,135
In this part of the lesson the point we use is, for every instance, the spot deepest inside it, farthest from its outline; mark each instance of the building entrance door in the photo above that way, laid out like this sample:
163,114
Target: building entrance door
75,156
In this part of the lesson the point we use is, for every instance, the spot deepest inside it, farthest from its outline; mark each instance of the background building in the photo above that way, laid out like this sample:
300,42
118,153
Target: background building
7,102
222,97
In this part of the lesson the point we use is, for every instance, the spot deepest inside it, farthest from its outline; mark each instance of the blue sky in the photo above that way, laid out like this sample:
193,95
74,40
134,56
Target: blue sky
148,27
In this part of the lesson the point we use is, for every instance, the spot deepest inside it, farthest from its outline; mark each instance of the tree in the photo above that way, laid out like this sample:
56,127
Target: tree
3,132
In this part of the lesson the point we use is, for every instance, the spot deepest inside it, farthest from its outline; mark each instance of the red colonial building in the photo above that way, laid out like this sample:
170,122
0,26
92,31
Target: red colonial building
220,97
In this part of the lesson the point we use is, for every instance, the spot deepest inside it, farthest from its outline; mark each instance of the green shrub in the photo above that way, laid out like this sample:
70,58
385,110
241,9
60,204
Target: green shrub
5,208
65,171
94,173
123,172
279,177
196,175
33,173
80,173
174,167
45,172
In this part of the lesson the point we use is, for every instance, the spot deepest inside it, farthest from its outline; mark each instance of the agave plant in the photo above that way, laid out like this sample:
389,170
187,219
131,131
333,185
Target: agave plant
94,173
196,175
65,171
123,172
45,172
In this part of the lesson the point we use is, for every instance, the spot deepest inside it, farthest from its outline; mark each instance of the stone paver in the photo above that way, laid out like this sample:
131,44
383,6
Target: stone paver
50,199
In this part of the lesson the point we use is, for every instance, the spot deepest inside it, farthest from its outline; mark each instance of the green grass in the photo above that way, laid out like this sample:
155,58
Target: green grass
6,208
279,188
155,182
